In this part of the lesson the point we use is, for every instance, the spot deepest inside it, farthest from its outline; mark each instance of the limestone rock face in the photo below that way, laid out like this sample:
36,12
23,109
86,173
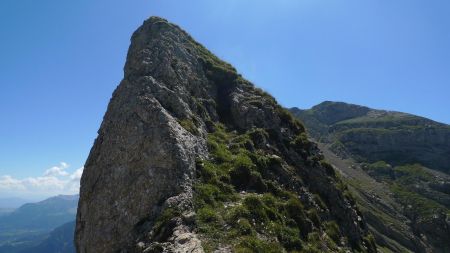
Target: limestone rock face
137,187
142,159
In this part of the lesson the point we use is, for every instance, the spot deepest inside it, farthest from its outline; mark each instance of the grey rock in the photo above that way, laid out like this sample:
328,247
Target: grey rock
142,160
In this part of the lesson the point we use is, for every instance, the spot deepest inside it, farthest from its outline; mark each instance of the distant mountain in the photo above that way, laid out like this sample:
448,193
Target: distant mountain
394,164
31,224
45,215
12,203
372,135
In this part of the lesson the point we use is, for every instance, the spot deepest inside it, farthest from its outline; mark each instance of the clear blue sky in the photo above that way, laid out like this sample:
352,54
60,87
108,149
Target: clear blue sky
60,61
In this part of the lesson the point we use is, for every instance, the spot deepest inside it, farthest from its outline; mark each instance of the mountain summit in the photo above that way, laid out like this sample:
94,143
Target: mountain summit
191,157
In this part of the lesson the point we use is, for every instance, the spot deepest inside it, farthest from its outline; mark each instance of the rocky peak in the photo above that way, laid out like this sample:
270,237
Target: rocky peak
330,112
184,137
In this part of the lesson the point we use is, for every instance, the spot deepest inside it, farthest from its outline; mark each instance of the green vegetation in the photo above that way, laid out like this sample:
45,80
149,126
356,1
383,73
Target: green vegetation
416,206
393,118
238,206
409,174
164,224
380,165
405,174
380,170
408,183
217,70
189,125
210,59
301,141
250,244
289,120
333,231
329,169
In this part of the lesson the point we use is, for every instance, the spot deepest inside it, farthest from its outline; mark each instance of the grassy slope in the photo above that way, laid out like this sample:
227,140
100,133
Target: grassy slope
258,214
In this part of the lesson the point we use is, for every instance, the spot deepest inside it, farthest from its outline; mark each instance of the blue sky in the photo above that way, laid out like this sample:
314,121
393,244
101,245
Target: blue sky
61,60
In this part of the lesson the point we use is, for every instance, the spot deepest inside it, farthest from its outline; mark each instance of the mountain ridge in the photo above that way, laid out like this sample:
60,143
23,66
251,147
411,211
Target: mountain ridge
47,214
407,205
372,134
188,147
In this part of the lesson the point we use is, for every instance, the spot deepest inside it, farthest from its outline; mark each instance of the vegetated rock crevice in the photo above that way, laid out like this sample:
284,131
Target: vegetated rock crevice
191,157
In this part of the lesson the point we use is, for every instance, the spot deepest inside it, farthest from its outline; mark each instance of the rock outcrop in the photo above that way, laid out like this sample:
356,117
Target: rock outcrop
185,143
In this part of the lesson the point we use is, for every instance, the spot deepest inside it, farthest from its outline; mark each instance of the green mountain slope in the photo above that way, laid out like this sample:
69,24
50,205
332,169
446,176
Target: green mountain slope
375,135
385,158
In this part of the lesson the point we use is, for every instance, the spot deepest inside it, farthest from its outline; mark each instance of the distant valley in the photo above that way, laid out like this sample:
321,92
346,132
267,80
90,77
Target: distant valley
45,226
